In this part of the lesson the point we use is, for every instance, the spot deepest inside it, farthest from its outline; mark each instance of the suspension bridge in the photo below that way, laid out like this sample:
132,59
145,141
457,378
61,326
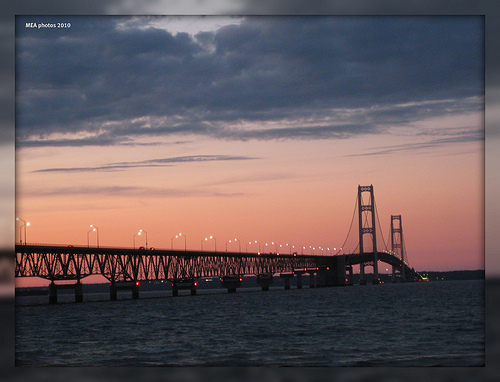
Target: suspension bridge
126,268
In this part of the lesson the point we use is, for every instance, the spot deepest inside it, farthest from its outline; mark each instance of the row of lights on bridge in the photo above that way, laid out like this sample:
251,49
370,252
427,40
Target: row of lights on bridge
206,239
181,235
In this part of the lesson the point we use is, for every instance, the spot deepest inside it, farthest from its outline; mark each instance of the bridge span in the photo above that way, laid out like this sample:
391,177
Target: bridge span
66,266
125,268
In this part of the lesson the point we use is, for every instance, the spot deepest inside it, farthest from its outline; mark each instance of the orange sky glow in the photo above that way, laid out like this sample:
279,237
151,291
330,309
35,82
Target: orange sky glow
288,190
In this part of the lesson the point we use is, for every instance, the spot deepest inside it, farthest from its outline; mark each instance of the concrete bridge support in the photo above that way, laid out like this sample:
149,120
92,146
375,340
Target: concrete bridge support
349,278
362,277
333,273
340,271
312,279
52,293
265,281
78,291
299,278
53,287
231,283
362,274
376,277
115,287
190,284
113,295
287,277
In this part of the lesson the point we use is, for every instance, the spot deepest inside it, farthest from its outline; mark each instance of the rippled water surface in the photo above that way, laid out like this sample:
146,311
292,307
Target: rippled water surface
415,324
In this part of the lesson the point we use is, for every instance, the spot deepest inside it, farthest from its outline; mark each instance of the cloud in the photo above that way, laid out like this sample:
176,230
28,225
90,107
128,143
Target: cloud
461,136
161,162
127,191
296,77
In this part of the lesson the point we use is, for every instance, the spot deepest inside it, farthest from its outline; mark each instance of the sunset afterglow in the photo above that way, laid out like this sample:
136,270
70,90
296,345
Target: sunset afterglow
251,130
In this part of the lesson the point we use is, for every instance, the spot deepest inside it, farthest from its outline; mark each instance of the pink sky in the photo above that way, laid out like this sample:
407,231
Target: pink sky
280,159
296,193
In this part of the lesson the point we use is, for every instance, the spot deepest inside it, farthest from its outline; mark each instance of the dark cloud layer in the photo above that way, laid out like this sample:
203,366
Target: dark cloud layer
287,77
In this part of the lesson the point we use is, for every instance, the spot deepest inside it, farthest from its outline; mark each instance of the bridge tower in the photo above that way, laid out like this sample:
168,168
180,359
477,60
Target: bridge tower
366,214
397,244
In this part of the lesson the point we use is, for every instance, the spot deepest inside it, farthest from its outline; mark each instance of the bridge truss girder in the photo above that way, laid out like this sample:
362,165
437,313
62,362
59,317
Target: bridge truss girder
120,265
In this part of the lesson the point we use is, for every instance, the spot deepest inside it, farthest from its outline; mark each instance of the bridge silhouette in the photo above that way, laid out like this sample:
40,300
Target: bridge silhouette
126,268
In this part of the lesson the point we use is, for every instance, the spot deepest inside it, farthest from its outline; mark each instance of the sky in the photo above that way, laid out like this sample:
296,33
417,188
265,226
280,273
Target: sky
255,128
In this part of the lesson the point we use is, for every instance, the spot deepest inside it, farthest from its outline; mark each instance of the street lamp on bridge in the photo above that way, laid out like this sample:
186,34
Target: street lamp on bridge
25,225
235,240
96,229
176,237
88,235
256,242
139,234
289,247
272,243
206,239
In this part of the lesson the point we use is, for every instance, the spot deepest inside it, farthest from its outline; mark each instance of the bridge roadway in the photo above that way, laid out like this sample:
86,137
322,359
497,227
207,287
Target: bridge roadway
125,268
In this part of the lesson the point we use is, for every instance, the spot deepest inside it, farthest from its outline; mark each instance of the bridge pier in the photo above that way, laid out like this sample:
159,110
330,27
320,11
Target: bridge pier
265,280
376,278
113,295
184,284
231,283
349,279
115,287
286,277
362,277
135,290
312,279
53,287
52,293
78,291
332,273
299,278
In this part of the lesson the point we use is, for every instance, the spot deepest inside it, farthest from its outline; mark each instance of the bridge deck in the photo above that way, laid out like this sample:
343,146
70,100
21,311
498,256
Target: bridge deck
127,264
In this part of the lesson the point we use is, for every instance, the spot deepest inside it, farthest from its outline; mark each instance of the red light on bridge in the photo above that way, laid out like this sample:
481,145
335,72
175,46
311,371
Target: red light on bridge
137,283
195,284
241,279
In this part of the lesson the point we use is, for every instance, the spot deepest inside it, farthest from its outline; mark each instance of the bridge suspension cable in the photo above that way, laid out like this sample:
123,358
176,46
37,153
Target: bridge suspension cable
350,227
406,253
387,243
380,227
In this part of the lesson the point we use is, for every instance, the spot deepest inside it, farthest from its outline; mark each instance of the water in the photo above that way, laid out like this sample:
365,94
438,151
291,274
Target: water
414,324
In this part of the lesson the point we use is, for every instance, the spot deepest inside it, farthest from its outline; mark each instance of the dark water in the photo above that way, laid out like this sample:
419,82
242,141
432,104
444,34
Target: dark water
415,324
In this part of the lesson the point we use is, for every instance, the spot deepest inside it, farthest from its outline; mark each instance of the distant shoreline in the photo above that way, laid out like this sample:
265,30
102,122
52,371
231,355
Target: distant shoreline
454,275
